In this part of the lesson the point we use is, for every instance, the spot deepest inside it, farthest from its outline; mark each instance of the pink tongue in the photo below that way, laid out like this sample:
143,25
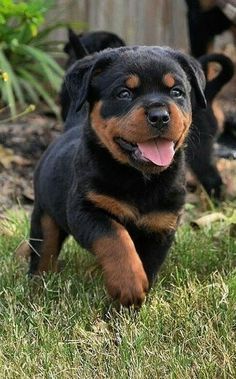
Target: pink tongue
159,151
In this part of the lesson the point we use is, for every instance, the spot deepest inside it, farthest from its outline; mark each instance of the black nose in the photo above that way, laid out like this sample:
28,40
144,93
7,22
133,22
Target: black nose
158,117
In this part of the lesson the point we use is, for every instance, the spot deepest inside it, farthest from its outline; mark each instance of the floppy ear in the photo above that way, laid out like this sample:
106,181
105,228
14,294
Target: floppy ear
196,76
213,86
79,77
79,49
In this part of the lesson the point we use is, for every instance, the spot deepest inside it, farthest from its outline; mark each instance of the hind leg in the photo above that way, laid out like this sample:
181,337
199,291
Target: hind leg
46,239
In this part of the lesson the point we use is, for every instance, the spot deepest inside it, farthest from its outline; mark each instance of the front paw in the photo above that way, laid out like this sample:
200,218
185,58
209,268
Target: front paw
129,285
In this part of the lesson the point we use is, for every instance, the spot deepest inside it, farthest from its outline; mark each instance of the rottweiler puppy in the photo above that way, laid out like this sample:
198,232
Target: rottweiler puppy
227,140
206,19
88,42
77,47
116,183
199,149
200,145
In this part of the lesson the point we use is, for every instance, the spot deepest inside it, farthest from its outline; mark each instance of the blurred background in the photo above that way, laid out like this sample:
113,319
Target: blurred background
157,22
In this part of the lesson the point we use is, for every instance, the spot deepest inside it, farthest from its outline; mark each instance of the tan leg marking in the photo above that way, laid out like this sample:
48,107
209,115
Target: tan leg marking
124,274
50,245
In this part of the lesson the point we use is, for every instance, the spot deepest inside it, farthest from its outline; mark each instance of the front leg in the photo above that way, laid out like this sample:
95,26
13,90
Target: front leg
152,249
123,270
153,236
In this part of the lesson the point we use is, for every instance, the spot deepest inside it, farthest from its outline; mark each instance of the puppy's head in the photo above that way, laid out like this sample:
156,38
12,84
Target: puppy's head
141,101
80,45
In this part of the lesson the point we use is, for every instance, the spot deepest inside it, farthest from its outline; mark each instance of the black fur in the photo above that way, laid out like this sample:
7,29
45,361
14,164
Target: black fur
226,73
204,130
80,45
227,140
200,144
80,162
204,26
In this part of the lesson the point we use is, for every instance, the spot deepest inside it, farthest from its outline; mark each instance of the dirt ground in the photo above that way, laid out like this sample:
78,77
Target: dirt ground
21,145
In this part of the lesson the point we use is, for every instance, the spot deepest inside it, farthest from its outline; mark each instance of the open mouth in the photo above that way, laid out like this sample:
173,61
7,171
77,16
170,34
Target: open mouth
159,151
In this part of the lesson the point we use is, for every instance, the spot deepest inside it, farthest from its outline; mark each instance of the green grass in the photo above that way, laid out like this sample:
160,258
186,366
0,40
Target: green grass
68,328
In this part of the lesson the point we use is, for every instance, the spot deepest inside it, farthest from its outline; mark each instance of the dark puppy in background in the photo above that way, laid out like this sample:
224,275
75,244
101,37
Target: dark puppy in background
206,19
199,149
77,47
226,147
89,42
118,185
200,145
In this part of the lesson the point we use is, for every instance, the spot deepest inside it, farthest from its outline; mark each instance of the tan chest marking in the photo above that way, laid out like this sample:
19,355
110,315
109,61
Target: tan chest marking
118,208
153,221
158,221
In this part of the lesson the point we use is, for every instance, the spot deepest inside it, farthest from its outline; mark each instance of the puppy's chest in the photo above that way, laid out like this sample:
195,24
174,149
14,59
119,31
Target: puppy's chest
145,213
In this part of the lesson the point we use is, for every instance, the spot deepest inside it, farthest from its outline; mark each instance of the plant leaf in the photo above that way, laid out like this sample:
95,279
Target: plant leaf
6,88
41,91
40,56
29,89
13,79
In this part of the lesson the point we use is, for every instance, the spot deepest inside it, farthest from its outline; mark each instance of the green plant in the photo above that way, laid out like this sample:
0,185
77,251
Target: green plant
28,70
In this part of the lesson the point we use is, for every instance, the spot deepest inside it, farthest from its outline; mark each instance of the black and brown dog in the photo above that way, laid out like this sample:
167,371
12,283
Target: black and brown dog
205,129
199,149
79,46
206,19
85,43
117,183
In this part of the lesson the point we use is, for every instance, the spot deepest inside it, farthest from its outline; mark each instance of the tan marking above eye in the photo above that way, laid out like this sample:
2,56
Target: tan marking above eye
50,245
122,267
133,81
169,80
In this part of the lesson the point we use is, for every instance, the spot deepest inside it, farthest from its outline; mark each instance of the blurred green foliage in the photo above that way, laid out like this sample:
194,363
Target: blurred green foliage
28,71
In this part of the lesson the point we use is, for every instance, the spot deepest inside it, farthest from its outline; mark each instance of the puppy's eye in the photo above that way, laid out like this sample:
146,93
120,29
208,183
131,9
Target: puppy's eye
177,93
125,94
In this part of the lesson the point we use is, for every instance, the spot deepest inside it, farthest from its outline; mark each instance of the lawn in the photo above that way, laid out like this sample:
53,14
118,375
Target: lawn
66,327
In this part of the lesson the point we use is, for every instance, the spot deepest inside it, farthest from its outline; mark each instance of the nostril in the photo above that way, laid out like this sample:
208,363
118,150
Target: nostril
166,118
153,117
